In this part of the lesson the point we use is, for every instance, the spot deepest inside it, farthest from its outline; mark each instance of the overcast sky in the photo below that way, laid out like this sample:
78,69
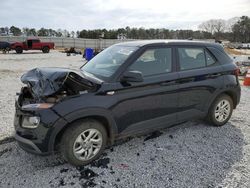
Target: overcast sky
112,14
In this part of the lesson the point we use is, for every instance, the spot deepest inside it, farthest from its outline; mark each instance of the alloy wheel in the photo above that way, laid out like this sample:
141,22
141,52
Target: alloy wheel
222,110
87,144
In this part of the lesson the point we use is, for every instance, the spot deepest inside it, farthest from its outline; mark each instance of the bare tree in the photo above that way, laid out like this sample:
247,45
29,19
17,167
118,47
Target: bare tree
213,26
219,25
207,26
230,23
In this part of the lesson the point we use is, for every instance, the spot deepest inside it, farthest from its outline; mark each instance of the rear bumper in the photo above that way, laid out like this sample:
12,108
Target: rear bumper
238,95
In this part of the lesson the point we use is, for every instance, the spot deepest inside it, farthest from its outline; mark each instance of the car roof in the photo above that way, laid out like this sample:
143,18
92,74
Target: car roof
141,43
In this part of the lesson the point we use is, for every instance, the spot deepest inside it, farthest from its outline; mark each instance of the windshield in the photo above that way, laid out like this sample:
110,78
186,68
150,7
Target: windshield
108,61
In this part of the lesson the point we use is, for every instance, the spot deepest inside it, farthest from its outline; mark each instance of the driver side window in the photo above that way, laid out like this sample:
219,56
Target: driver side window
153,62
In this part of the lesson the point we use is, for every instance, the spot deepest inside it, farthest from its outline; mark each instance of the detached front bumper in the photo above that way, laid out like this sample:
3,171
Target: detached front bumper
28,145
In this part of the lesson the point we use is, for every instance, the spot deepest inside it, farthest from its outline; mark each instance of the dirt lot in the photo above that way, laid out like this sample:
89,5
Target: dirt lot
192,154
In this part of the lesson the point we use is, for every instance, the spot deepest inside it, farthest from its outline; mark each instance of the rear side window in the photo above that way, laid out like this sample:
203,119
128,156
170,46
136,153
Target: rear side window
210,60
191,58
153,62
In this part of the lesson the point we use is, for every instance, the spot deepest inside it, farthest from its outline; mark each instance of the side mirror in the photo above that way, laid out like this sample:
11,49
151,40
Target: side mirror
132,76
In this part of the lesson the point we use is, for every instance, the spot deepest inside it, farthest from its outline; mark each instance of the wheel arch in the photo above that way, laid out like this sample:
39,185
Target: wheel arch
46,46
233,96
102,116
230,93
18,47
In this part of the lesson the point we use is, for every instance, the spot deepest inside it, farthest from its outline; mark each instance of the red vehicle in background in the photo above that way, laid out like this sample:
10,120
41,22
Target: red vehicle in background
32,44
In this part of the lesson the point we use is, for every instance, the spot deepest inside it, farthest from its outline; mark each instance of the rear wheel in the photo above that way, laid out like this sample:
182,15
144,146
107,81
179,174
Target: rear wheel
45,49
19,50
221,110
83,142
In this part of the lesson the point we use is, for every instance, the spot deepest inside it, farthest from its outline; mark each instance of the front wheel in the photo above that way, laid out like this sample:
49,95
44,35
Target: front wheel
19,50
83,142
221,110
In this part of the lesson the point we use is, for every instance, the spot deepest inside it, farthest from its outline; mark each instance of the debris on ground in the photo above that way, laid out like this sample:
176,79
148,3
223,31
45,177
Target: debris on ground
191,154
103,163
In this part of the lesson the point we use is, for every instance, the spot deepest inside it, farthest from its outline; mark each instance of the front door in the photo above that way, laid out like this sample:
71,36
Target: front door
150,104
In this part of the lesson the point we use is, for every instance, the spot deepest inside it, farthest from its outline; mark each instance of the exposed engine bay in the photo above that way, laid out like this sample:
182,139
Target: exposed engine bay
50,85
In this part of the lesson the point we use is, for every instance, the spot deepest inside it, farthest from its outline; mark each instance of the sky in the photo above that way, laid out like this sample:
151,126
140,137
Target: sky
113,14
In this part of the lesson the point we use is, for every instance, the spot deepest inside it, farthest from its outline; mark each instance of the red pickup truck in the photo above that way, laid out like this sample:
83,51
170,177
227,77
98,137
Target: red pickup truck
32,44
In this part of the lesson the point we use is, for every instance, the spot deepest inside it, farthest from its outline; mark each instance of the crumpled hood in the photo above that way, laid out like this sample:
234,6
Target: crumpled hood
48,81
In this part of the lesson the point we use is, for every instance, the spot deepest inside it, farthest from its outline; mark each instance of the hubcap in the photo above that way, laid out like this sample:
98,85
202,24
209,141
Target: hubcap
87,144
222,110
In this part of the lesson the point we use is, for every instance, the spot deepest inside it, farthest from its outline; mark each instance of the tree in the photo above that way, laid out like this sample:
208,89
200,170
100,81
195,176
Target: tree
241,30
234,29
59,33
43,32
207,26
73,34
219,25
2,30
66,33
25,31
77,34
15,31
214,26
230,23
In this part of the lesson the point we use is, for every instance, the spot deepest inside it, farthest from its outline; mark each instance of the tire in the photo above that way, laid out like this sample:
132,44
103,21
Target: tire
7,49
218,115
72,145
19,50
45,49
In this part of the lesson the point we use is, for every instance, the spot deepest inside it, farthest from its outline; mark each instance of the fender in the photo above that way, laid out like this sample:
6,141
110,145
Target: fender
233,94
79,114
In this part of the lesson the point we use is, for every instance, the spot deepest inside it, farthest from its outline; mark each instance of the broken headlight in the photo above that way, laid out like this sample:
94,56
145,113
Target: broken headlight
30,122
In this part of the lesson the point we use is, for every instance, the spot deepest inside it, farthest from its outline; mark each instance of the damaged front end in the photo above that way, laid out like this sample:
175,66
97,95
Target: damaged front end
47,86
34,115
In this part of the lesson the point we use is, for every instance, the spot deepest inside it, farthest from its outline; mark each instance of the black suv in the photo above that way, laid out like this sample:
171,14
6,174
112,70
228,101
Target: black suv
129,88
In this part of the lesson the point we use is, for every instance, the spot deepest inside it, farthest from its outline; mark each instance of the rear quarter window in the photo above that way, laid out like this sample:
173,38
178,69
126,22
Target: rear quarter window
209,59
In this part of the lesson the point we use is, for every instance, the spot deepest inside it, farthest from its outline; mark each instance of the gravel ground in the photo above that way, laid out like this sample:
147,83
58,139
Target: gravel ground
192,154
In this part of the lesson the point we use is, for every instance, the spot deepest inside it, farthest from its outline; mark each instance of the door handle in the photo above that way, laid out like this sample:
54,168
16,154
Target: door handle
168,83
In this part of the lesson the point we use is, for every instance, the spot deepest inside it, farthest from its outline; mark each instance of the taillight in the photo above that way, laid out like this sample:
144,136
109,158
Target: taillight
237,72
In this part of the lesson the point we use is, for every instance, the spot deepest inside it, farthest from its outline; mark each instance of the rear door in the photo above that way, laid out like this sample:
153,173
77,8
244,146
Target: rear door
199,79
150,104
